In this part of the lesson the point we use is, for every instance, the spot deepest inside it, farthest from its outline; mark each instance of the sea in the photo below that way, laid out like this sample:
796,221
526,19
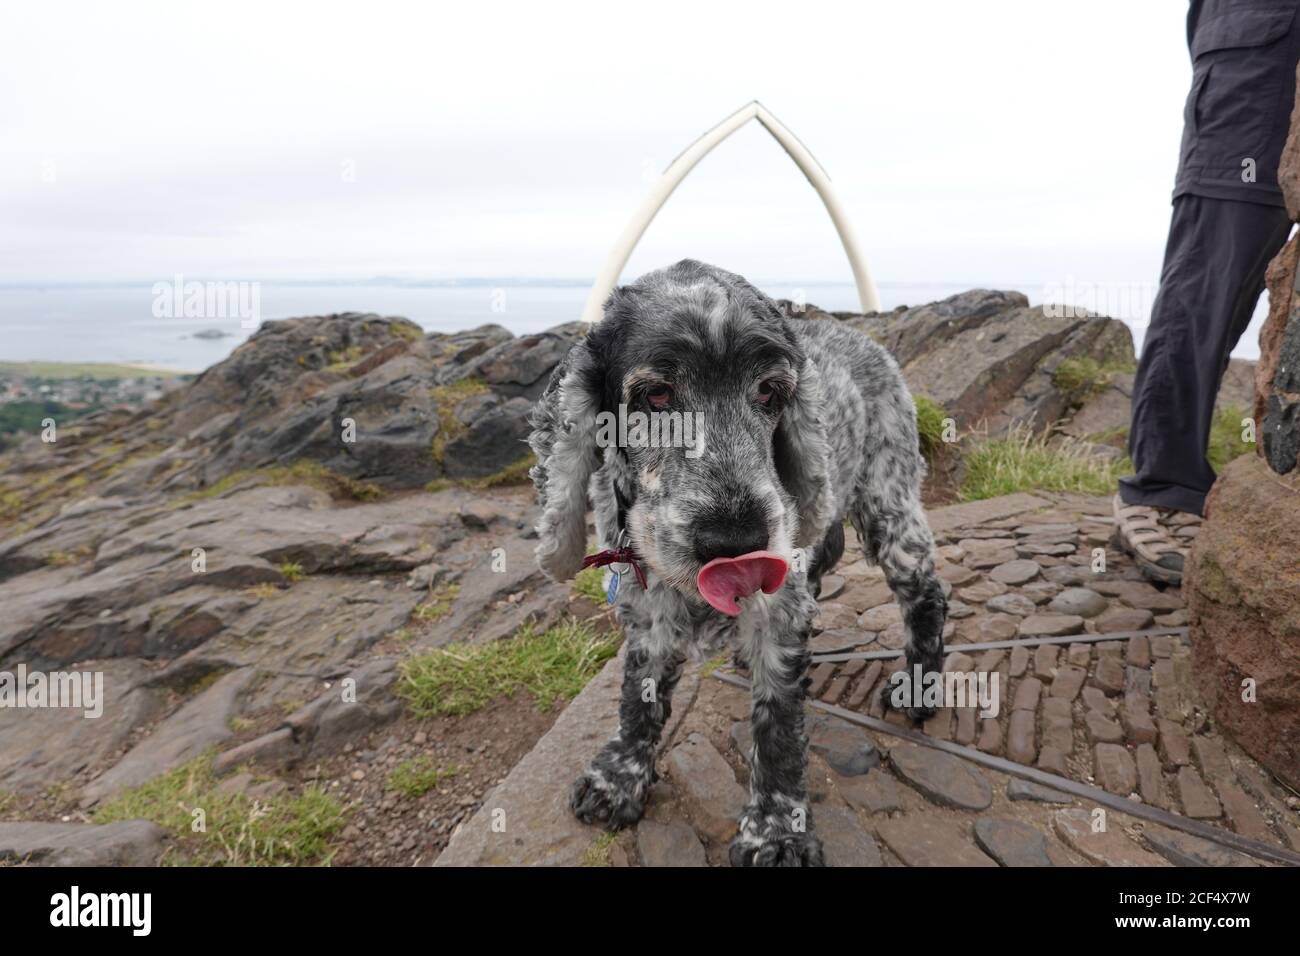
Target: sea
123,323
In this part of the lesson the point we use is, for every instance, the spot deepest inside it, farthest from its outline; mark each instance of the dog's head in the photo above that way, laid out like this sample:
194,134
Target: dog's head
694,391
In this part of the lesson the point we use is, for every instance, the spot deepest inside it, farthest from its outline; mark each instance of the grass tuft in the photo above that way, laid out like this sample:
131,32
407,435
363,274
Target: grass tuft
1023,461
590,583
516,473
438,604
1081,378
551,665
1225,436
598,853
239,831
930,416
304,472
446,399
292,571
417,776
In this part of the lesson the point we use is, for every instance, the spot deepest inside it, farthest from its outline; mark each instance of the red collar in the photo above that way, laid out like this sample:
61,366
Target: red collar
617,556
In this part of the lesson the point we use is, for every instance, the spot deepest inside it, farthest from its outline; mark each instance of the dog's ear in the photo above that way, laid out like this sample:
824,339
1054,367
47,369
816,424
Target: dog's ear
564,439
803,456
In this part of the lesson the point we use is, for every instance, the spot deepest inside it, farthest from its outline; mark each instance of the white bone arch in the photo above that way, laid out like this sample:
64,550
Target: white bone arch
687,161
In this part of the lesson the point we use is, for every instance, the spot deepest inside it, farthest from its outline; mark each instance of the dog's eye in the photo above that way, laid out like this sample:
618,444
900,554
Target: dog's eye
659,396
766,392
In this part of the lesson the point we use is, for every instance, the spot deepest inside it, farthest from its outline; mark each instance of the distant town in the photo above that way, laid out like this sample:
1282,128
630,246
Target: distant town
30,392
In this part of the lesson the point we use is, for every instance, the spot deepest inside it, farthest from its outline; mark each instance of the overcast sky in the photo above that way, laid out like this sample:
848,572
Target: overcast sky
1031,142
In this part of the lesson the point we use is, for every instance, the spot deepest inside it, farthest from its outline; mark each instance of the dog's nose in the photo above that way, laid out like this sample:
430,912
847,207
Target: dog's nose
729,539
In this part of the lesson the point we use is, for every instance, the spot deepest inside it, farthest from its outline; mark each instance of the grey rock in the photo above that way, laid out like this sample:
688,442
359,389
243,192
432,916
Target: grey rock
39,747
1018,789
1011,603
670,844
1020,571
1011,843
1184,849
1081,601
708,787
846,747
922,841
844,840
873,792
1051,625
947,780
199,724
127,843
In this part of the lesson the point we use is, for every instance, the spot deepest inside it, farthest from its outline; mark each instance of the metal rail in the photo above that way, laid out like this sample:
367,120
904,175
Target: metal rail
1083,791
997,645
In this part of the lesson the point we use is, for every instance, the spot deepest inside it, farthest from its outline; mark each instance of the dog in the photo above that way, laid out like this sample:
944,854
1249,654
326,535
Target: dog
800,425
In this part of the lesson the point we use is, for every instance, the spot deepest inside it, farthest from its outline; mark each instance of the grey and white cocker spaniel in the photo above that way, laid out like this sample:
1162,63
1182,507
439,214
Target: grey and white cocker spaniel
798,425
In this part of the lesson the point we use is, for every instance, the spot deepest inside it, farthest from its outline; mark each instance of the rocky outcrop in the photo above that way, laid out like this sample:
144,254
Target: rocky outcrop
1243,583
991,360
226,556
293,590
1244,594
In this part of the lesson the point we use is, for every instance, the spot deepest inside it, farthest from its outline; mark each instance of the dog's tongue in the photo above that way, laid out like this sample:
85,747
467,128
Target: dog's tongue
723,580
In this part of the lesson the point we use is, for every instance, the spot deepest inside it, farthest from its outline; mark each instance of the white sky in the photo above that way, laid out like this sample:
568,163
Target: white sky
1030,142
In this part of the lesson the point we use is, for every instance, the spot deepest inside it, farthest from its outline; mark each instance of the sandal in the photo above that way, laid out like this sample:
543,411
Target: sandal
1144,532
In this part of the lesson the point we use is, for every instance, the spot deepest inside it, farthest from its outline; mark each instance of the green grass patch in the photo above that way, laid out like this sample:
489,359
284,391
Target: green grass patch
1225,436
292,571
1082,377
437,605
598,853
446,399
10,504
338,360
512,474
551,665
309,473
417,776
407,330
713,663
62,559
930,417
289,831
590,583
1023,461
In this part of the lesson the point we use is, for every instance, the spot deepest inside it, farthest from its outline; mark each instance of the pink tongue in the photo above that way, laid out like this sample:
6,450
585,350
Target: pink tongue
723,580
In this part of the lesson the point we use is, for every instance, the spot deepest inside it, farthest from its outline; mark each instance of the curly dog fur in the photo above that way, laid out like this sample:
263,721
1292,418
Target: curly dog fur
802,425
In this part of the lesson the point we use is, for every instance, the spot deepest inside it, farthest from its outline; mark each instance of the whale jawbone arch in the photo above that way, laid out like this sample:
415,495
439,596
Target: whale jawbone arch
684,163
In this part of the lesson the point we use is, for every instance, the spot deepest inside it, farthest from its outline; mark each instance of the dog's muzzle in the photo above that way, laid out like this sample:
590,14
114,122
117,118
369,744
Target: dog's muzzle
723,581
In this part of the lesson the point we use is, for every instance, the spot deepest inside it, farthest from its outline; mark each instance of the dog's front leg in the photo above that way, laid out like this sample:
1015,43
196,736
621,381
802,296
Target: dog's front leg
613,789
895,534
776,828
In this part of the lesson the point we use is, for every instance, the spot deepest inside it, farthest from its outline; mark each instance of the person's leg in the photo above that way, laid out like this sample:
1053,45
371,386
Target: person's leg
1212,277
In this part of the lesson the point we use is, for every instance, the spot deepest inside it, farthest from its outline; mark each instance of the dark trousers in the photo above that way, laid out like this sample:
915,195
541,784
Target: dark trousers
1213,274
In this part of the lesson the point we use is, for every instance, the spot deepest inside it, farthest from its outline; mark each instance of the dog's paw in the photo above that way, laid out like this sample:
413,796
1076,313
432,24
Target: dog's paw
605,796
771,845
